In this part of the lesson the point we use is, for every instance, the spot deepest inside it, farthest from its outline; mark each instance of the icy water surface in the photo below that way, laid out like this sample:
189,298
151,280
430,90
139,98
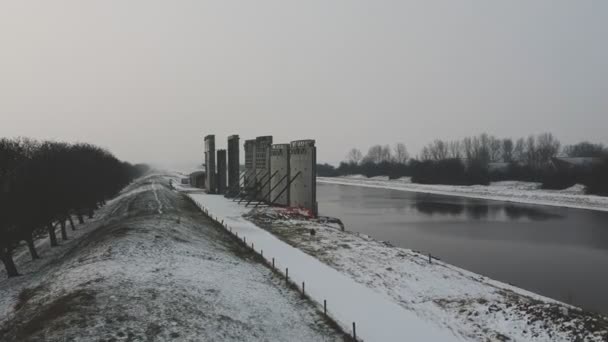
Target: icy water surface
557,252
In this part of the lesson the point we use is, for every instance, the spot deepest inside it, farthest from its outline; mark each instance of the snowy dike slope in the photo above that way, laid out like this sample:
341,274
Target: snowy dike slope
377,317
151,267
510,191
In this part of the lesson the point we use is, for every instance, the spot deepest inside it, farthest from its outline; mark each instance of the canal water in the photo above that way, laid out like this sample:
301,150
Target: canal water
557,252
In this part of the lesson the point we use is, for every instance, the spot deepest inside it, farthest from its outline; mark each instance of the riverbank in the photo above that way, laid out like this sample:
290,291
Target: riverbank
474,307
509,191
433,296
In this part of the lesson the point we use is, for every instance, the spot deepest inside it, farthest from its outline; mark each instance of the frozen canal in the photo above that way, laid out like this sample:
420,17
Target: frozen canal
557,252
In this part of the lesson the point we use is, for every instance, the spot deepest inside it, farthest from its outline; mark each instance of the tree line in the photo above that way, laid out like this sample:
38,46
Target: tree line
482,159
43,184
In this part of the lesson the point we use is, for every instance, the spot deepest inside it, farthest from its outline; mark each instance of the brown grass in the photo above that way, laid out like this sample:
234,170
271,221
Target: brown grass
54,311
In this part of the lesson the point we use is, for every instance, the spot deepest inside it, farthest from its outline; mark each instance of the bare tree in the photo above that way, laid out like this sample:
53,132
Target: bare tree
507,150
374,154
519,151
386,154
437,150
483,149
531,157
494,148
586,149
547,147
400,153
354,156
425,154
378,154
467,148
477,149
455,149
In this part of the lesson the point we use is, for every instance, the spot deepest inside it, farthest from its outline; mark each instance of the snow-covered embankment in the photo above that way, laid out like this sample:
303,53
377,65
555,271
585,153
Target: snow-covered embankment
378,318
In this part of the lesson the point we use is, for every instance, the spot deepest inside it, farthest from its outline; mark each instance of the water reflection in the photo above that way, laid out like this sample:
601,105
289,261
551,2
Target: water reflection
481,211
519,212
434,208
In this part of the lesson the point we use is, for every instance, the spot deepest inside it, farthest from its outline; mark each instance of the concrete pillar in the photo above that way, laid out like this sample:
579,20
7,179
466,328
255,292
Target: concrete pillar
303,190
210,183
233,165
279,162
250,179
262,166
221,171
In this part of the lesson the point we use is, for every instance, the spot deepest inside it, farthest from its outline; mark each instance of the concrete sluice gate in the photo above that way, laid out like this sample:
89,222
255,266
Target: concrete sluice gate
303,173
279,167
262,168
276,174
249,178
233,166
221,171
210,181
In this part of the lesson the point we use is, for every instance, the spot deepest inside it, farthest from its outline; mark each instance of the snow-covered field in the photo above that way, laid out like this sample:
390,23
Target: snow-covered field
511,191
151,267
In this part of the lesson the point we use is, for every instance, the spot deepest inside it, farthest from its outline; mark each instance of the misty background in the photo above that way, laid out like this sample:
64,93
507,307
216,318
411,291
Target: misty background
148,79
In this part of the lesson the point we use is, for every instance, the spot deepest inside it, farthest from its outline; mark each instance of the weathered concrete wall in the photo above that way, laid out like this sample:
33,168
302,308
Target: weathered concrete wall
197,179
210,183
233,165
279,162
250,179
303,160
221,171
262,166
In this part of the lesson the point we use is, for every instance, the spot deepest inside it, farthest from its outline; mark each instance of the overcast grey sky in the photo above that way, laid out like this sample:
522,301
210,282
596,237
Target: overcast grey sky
148,79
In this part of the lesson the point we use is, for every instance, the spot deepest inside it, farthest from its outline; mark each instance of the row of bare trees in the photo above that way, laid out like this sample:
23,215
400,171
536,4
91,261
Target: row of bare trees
380,153
534,151
469,161
43,184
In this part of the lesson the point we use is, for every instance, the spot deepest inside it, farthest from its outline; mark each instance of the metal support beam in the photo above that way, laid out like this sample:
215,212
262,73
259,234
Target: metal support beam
285,188
256,186
269,192
258,190
244,187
